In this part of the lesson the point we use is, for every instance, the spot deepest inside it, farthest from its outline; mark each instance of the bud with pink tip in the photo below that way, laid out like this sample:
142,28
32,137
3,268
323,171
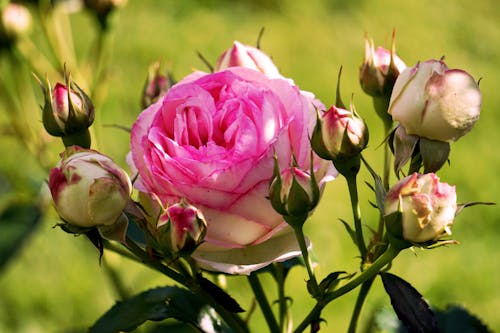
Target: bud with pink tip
240,55
156,85
420,209
186,225
379,70
339,133
294,193
88,188
68,112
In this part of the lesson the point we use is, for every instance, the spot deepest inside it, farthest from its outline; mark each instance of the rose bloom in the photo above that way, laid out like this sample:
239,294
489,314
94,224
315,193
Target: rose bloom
427,206
432,101
211,140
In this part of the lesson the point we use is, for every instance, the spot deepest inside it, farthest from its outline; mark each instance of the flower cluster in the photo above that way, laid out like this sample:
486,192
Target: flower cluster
228,165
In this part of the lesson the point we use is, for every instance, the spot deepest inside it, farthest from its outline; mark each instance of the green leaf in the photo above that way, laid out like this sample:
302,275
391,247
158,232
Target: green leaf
409,305
454,319
457,319
219,295
350,231
17,221
380,192
159,304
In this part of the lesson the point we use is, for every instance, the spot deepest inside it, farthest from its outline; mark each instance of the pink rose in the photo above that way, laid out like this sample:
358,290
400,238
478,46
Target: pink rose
211,140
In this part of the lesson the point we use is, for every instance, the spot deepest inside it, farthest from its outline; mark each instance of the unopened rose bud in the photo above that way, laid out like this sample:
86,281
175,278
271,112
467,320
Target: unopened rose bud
379,70
156,85
68,112
15,22
103,8
88,188
294,194
240,55
186,225
435,102
424,208
339,134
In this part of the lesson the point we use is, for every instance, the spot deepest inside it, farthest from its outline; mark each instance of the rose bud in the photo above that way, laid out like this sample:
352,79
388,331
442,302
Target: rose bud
424,208
68,112
88,188
240,55
15,22
339,134
294,194
156,85
187,227
434,102
379,70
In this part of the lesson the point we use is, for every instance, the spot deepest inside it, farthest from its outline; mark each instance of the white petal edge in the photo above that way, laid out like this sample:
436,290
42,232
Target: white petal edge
244,261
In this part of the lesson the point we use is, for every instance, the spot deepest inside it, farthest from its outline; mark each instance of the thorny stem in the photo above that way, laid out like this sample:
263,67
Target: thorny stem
282,300
232,319
390,253
299,233
363,292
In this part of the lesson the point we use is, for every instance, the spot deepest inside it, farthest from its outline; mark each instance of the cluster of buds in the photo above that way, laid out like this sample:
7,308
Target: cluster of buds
89,189
420,210
434,105
68,112
15,22
294,193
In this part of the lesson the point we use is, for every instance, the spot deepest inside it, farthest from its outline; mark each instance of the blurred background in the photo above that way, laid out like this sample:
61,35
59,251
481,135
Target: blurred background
55,283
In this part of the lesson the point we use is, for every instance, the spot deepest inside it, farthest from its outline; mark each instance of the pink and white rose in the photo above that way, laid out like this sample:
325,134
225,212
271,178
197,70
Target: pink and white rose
211,140
88,188
432,101
427,206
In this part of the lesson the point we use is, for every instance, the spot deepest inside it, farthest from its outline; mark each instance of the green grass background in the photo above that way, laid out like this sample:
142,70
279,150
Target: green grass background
55,284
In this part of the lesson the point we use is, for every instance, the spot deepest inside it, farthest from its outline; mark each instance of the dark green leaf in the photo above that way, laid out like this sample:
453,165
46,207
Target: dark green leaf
458,319
452,320
17,222
219,295
95,238
409,305
159,304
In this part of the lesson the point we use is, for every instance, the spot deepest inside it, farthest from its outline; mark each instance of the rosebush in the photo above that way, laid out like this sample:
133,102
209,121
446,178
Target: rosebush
211,140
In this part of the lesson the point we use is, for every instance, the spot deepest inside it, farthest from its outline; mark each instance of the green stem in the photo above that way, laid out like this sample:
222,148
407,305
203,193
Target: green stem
387,156
282,301
299,233
261,298
363,292
369,273
356,212
155,264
